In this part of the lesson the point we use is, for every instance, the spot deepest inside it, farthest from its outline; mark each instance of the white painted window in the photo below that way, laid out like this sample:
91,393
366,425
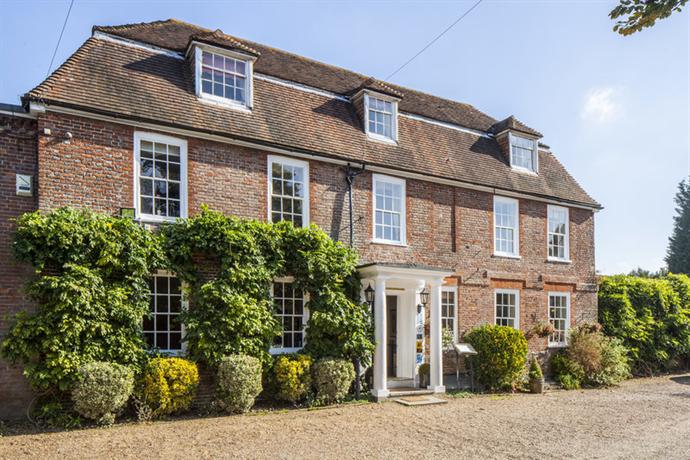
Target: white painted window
523,153
381,118
160,172
224,76
449,303
559,317
288,184
558,237
389,209
290,310
162,328
506,226
507,307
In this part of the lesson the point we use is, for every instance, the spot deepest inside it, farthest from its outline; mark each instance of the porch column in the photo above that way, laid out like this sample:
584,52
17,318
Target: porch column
380,389
436,364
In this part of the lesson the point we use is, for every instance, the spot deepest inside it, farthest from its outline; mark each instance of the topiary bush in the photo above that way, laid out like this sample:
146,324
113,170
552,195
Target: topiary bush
239,383
501,356
168,385
292,377
102,390
332,380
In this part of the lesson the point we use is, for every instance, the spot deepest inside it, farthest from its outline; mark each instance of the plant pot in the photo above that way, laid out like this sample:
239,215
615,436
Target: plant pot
536,386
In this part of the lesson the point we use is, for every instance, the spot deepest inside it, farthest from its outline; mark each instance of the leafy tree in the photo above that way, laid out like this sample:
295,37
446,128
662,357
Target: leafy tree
638,14
678,254
644,273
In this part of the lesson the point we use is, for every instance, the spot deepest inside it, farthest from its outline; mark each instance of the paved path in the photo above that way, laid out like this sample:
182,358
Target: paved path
646,418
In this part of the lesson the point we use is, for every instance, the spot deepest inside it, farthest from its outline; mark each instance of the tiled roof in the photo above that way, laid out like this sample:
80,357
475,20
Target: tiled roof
124,81
514,124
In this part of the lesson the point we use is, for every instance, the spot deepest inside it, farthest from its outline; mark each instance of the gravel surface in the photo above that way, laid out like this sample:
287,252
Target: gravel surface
644,418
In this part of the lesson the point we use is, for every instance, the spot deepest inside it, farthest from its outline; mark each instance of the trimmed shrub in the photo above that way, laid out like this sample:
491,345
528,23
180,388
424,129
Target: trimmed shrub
239,383
535,372
102,390
292,377
169,385
332,380
501,356
591,359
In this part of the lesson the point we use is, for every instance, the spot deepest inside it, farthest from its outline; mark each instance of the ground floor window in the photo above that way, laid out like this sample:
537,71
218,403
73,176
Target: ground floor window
559,317
162,328
291,312
448,308
507,307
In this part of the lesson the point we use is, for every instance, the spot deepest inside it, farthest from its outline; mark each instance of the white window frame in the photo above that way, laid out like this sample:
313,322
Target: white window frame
199,48
516,229
305,319
160,138
535,154
184,305
394,118
549,209
567,317
516,292
375,178
453,290
271,159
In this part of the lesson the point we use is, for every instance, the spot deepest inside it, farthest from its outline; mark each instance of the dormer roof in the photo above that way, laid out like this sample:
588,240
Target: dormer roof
513,124
222,40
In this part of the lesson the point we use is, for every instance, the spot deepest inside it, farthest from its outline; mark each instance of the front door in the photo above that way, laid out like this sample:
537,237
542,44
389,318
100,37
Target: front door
392,334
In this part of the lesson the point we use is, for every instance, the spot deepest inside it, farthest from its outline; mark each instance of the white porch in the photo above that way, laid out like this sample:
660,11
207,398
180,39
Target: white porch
397,297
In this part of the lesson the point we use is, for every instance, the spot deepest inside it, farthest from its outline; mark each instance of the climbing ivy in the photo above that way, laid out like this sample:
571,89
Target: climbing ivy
90,294
229,264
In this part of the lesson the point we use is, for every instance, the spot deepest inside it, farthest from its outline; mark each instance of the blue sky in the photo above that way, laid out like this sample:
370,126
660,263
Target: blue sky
615,110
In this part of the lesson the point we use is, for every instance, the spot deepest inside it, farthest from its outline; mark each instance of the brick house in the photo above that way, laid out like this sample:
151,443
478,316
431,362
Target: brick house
166,116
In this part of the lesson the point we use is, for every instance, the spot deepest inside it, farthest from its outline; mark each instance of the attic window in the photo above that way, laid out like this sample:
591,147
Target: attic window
223,78
381,118
523,153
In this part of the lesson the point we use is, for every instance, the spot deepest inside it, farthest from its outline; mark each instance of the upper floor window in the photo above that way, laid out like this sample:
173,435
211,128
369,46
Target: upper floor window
160,165
381,118
389,209
558,237
162,328
288,190
506,226
448,308
523,153
224,77
289,305
559,317
507,307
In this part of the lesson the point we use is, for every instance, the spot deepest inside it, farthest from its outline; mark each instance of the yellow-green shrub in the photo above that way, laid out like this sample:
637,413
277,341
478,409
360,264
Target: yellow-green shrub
168,385
292,377
332,379
501,356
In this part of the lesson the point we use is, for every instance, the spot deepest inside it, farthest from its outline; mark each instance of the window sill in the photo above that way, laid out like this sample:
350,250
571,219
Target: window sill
147,219
506,256
225,103
558,345
520,170
559,261
388,243
284,351
381,139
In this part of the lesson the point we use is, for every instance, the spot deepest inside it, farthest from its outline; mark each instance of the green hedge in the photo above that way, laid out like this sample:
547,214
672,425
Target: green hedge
651,317
239,383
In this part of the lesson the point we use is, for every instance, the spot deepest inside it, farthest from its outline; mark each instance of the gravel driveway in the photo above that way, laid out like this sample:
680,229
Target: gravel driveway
645,418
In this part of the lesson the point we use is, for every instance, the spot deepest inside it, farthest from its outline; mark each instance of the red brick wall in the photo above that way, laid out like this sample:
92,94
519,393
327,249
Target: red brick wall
447,227
17,156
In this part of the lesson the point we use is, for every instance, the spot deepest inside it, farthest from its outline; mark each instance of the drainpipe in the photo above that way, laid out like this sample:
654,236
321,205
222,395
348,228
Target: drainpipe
350,175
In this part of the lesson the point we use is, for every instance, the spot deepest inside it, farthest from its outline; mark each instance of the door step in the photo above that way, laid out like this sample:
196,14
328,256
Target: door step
400,382
399,392
422,400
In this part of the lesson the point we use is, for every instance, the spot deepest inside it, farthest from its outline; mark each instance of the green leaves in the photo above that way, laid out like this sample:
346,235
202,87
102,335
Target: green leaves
639,14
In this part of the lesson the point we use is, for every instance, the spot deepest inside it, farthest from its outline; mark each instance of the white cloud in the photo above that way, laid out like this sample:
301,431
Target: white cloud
601,105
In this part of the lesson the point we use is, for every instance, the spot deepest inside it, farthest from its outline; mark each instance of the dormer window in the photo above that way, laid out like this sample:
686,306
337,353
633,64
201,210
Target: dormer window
523,153
381,118
224,77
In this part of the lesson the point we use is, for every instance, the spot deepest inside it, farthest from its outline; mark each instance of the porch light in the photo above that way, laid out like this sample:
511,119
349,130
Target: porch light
369,294
424,296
